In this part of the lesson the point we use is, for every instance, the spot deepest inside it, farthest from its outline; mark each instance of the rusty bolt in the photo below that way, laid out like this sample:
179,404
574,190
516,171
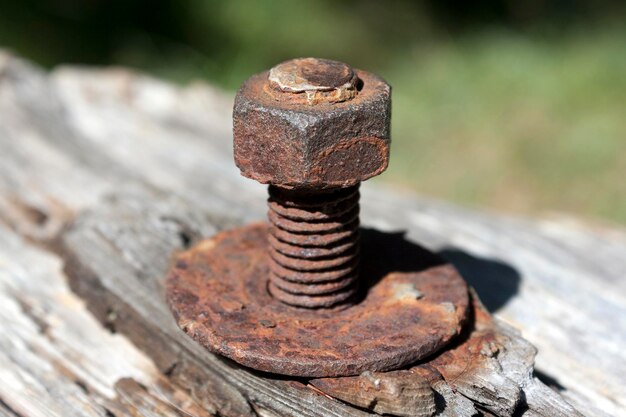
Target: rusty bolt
284,296
313,129
314,246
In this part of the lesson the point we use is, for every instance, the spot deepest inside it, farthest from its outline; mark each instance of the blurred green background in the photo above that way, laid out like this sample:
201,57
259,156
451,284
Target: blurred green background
518,106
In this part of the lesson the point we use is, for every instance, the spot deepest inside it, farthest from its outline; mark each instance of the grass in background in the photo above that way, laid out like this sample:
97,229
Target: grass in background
515,123
528,118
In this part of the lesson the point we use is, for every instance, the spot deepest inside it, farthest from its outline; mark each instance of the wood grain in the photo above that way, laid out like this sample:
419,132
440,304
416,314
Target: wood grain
57,360
149,167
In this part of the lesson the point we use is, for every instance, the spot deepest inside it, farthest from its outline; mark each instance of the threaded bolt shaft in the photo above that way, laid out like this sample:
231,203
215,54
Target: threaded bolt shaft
314,246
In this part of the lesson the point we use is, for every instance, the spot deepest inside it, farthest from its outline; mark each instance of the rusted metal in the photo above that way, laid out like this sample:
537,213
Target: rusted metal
331,124
281,139
293,296
300,272
407,309
409,392
321,80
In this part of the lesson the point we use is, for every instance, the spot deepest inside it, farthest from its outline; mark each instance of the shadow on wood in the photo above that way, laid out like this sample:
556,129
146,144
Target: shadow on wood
495,282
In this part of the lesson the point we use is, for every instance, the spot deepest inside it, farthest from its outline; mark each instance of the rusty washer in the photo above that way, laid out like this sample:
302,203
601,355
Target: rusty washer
311,293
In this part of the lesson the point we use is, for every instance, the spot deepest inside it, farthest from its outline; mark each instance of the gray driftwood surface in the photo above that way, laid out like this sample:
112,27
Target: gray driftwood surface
105,172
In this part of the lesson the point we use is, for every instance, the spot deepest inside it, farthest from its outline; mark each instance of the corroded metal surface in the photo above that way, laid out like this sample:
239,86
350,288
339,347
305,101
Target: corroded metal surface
321,80
304,295
292,131
284,137
322,273
409,392
412,304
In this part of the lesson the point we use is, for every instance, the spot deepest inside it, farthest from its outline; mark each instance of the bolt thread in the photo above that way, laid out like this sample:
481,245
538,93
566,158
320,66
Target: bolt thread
313,246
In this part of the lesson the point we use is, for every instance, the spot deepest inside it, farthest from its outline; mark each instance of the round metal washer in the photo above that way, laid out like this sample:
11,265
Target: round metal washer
412,305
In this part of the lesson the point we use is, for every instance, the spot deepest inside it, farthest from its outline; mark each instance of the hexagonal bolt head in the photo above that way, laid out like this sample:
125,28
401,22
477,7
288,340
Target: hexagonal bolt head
312,124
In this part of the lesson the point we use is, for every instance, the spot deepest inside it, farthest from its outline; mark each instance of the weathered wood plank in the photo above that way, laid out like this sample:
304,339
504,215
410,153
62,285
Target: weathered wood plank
57,360
69,138
561,283
6,412
117,255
